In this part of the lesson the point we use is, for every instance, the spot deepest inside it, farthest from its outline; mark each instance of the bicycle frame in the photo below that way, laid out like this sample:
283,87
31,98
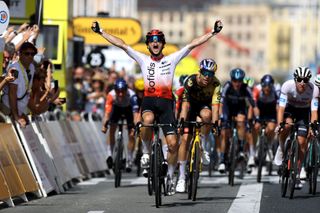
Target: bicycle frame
195,142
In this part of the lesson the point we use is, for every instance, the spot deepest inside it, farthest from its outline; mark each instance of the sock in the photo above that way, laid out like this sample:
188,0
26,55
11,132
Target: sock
109,153
204,139
221,157
251,150
182,170
130,155
171,169
145,147
165,151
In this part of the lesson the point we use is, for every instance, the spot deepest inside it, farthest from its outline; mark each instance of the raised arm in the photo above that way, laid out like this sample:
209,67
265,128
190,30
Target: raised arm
202,39
112,39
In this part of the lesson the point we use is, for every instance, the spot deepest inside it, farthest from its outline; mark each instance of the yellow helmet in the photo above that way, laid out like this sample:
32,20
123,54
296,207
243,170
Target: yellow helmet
139,84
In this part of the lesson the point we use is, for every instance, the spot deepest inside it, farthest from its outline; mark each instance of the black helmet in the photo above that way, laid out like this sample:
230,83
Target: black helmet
237,74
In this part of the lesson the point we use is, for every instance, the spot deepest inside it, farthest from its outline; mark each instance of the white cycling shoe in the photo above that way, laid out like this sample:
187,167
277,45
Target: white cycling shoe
144,161
205,158
278,158
181,186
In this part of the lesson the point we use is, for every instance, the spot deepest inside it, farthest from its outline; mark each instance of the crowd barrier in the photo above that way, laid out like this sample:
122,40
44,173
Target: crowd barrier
49,155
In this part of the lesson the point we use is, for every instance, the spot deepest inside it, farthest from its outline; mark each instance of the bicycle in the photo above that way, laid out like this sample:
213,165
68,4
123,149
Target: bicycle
156,173
138,150
289,168
118,154
263,151
194,158
233,154
312,160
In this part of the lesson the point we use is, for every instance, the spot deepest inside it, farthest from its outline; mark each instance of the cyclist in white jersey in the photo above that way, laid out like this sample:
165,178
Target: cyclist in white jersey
158,72
298,99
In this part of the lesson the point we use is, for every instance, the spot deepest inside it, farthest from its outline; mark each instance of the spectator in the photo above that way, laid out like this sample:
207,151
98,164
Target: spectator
8,53
95,99
16,94
112,77
78,92
8,78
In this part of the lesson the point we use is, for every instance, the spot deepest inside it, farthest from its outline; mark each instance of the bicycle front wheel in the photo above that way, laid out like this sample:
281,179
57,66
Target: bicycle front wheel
118,164
284,170
293,166
261,156
232,160
196,171
156,174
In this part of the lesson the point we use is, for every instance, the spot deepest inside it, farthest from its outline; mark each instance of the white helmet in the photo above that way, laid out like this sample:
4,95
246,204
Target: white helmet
302,72
317,80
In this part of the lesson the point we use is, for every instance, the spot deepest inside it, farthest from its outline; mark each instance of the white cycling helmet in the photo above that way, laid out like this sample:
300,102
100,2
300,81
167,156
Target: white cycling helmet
302,72
317,80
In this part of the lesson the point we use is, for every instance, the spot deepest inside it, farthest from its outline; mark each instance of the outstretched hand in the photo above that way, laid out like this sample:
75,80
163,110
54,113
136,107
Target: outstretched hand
217,27
95,27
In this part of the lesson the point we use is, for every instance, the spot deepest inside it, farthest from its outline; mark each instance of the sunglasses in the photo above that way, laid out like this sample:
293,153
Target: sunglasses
304,80
155,39
207,73
266,85
29,53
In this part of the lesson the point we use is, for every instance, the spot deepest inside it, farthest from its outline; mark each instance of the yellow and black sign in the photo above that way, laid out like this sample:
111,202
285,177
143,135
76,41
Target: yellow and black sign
129,30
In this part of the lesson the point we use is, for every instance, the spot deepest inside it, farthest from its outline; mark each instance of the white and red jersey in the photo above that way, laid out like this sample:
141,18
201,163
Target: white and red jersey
158,75
289,95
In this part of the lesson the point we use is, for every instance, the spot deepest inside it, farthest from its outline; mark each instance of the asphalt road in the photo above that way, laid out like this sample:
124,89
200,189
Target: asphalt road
98,195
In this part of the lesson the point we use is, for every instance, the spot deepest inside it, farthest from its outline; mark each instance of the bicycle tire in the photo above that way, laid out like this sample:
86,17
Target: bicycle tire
212,157
315,167
261,156
293,166
156,175
138,158
150,177
196,171
118,164
232,160
189,177
284,170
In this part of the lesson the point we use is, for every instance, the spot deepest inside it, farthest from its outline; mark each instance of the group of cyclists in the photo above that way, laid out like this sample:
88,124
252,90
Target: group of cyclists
236,104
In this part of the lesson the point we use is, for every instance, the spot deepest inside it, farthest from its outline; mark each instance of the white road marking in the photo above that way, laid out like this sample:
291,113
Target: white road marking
248,199
95,211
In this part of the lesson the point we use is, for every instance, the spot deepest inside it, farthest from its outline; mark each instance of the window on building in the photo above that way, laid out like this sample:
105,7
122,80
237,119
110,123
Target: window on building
249,20
181,33
170,33
181,16
161,16
171,17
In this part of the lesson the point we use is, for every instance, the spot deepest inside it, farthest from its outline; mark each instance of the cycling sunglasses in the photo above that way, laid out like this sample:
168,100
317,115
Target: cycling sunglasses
304,80
207,73
266,84
155,38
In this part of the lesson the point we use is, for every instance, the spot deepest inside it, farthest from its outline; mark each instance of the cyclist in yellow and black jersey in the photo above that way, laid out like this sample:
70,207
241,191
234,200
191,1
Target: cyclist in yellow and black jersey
201,98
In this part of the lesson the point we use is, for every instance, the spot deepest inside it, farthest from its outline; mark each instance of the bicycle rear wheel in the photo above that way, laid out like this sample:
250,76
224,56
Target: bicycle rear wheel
293,166
189,178
232,160
261,156
196,171
118,163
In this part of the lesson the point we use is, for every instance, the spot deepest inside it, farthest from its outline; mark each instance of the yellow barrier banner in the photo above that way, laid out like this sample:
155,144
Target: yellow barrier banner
8,168
4,190
9,139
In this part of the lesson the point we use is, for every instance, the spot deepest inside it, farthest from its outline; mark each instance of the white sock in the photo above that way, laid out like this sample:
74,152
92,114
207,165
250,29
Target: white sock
171,169
109,153
130,155
251,150
204,139
165,151
182,170
145,147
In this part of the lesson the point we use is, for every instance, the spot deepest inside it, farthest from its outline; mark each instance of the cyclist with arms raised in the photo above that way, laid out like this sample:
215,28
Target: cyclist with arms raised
298,98
158,72
201,97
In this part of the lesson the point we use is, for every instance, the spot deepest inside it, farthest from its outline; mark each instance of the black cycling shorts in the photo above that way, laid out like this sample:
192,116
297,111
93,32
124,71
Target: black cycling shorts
228,112
125,112
194,111
300,116
163,108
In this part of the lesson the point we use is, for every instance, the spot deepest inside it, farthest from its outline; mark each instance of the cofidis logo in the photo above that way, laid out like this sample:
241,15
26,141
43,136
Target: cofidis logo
3,17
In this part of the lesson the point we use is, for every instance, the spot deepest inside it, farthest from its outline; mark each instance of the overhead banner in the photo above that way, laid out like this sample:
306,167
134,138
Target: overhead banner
129,30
